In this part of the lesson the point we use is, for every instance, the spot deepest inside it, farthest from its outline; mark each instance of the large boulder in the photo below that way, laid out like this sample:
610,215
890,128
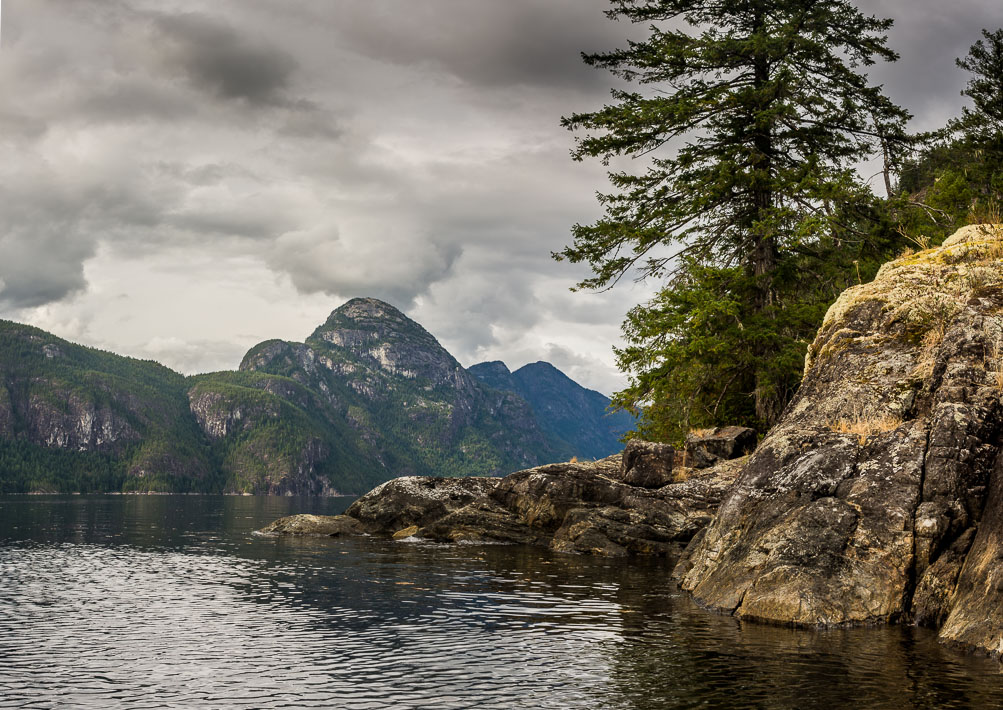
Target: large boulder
416,501
879,495
645,522
709,446
647,464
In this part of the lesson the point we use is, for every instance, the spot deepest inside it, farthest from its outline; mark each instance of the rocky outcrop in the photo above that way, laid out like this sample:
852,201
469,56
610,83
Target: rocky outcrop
75,420
647,464
416,500
581,507
706,448
6,413
315,525
879,496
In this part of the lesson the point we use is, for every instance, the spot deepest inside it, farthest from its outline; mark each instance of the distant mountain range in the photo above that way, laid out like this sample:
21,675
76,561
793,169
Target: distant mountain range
564,409
369,396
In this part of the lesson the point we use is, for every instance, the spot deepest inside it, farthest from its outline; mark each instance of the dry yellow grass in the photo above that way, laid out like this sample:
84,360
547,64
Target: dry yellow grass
993,363
986,213
864,428
928,350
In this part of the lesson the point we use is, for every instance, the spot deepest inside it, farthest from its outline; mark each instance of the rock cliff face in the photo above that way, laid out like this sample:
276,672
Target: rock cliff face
69,413
570,413
879,496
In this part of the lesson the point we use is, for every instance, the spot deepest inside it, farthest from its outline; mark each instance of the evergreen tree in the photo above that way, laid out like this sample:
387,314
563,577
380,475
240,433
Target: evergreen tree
959,178
746,204
982,124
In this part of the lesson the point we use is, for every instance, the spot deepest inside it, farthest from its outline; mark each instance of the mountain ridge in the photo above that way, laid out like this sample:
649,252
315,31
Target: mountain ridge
368,396
564,408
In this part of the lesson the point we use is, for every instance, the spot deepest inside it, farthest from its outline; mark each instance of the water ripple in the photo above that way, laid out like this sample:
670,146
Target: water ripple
114,615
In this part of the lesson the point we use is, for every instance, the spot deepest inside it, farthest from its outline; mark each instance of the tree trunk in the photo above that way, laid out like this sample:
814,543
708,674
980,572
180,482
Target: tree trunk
764,241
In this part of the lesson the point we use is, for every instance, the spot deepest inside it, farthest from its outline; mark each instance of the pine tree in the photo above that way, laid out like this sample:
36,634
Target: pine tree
746,205
982,124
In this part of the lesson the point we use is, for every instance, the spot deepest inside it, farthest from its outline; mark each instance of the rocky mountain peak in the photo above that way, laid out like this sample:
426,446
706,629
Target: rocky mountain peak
366,309
494,367
378,335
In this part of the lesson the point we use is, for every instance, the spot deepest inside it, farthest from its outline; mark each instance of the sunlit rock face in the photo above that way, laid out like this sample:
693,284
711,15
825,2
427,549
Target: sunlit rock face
879,496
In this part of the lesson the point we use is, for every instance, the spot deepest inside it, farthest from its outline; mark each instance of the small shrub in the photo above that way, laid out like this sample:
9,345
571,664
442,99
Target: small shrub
986,213
978,278
926,314
921,241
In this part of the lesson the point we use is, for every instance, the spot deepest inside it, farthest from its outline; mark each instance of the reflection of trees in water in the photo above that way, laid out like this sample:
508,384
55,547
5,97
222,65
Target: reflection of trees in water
662,650
675,654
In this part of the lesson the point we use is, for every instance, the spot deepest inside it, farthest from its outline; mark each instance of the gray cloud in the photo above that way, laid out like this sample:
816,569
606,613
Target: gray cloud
928,37
491,44
215,58
388,267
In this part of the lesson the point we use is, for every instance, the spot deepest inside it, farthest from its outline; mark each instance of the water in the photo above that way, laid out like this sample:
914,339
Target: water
169,601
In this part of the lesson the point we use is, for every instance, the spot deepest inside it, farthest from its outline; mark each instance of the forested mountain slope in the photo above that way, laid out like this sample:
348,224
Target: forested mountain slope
369,396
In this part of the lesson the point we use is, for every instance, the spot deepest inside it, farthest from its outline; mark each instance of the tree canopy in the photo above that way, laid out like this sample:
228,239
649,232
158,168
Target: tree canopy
748,119
982,124
958,178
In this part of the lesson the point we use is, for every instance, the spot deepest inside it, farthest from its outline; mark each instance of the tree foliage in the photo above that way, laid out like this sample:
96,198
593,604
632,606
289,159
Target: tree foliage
982,124
747,122
958,178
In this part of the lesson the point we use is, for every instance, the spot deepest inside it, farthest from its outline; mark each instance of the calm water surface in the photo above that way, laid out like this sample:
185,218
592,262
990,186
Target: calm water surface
170,601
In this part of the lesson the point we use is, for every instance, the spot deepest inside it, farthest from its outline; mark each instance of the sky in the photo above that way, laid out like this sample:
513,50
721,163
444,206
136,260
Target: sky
182,179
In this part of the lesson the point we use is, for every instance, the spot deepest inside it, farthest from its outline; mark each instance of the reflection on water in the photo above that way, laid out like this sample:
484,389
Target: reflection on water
170,601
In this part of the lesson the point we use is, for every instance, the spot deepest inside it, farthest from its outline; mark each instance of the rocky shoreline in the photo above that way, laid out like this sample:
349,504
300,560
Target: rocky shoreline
877,499
645,501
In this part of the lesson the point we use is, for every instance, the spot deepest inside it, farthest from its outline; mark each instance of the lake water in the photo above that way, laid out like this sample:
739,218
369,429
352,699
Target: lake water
170,601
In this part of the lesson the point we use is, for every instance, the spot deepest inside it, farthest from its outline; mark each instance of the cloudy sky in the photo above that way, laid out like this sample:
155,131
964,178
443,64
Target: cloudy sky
181,179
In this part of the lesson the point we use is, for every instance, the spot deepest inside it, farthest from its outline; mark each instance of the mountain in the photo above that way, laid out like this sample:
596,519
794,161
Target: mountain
79,419
565,410
369,396
401,400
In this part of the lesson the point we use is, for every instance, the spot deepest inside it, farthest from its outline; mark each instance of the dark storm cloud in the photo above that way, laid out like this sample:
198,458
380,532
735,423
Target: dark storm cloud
929,36
216,58
486,43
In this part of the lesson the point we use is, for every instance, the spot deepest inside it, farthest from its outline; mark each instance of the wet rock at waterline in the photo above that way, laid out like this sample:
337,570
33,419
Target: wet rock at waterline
581,507
879,496
318,525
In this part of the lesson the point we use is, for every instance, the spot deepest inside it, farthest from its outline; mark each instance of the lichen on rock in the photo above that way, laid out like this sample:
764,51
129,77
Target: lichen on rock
879,497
